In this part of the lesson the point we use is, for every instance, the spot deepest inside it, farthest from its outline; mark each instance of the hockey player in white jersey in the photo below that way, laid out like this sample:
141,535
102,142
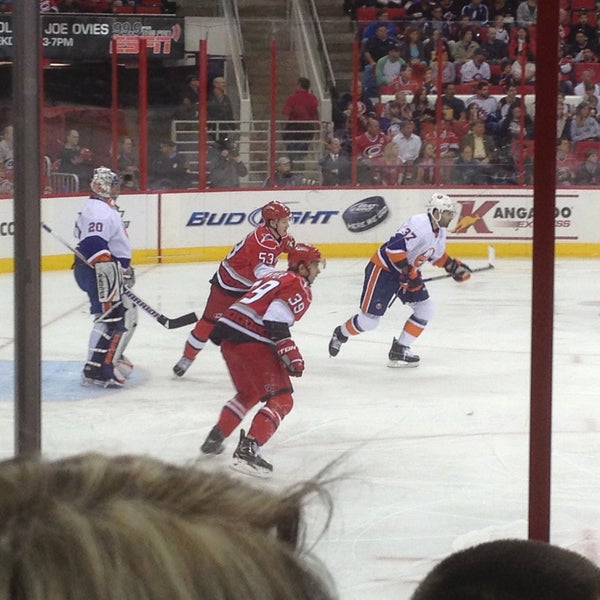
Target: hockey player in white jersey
104,243
395,270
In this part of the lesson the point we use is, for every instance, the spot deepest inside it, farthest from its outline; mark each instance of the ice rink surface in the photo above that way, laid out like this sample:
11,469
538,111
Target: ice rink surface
433,459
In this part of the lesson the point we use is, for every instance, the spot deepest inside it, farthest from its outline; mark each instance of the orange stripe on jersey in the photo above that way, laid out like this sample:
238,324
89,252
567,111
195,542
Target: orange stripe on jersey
413,328
377,260
396,256
441,261
369,287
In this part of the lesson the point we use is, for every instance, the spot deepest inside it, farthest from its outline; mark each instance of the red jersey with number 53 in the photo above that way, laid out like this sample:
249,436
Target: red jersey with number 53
283,296
252,258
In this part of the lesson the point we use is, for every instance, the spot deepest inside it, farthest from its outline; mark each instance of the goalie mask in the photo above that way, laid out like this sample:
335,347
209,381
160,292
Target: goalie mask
105,184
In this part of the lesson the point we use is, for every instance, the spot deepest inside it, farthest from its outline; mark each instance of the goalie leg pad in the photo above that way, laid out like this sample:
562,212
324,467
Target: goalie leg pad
109,281
129,324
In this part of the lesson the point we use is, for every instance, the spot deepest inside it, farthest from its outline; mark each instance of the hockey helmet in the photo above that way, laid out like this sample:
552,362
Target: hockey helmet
274,210
441,202
303,254
105,183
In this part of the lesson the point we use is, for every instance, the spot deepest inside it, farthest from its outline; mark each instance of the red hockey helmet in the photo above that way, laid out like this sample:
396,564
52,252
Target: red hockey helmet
302,254
274,210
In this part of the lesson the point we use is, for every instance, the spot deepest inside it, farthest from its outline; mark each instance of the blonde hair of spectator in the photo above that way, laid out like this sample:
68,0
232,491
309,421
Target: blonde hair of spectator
131,527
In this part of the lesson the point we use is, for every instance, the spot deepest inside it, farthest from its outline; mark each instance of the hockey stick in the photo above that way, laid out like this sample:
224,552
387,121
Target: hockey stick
490,265
181,321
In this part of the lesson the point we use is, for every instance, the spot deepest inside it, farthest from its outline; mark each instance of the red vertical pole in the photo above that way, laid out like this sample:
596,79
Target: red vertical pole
114,103
273,113
202,115
523,62
354,157
143,112
542,300
439,114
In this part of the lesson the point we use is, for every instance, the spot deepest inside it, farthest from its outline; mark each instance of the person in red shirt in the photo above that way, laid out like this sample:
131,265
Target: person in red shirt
254,257
302,110
255,340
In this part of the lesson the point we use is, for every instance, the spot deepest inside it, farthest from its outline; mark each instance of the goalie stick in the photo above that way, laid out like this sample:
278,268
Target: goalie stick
175,323
490,265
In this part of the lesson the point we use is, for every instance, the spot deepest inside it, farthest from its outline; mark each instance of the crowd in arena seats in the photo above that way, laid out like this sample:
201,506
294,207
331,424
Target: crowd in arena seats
484,130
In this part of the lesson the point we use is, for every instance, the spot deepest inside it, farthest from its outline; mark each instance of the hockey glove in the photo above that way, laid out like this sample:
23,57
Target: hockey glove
290,356
459,270
129,277
288,243
411,281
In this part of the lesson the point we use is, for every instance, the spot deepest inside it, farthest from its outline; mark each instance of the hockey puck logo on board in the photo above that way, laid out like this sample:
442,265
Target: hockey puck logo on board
365,214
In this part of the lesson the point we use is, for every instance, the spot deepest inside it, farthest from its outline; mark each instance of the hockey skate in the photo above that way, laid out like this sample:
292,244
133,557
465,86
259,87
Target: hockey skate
103,376
183,364
401,356
247,458
213,444
336,341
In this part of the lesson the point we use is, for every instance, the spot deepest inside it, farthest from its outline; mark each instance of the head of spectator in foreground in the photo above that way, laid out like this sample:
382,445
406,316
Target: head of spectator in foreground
136,528
512,570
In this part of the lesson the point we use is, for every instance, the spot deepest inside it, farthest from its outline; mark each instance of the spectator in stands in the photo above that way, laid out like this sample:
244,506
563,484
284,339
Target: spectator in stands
190,97
388,67
6,181
382,19
484,146
515,569
584,26
409,146
565,162
390,120
445,137
466,170
502,34
405,111
590,96
412,50
374,49
453,102
6,147
448,69
521,49
285,177
589,172
224,165
369,146
435,21
472,114
335,165
526,15
493,48
586,55
488,105
563,120
477,12
464,49
428,83
565,69
583,125
431,45
511,128
219,111
388,168
170,169
74,159
127,165
476,68
342,109
425,165
423,111
506,102
302,110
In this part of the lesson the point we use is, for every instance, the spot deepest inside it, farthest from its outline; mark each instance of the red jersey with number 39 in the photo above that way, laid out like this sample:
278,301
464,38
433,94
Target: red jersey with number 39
252,258
282,296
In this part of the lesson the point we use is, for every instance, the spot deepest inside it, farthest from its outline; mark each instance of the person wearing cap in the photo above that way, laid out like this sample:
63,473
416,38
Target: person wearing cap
170,169
284,177
388,67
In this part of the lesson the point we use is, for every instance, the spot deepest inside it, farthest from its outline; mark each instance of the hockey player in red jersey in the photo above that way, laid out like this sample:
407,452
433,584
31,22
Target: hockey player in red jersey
255,340
394,270
252,258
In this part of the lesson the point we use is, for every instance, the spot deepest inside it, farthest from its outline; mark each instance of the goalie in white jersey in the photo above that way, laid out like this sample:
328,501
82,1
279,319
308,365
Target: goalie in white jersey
394,270
104,243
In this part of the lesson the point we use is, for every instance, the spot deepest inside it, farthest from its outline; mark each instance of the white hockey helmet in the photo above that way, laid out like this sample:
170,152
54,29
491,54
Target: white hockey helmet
441,202
105,183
